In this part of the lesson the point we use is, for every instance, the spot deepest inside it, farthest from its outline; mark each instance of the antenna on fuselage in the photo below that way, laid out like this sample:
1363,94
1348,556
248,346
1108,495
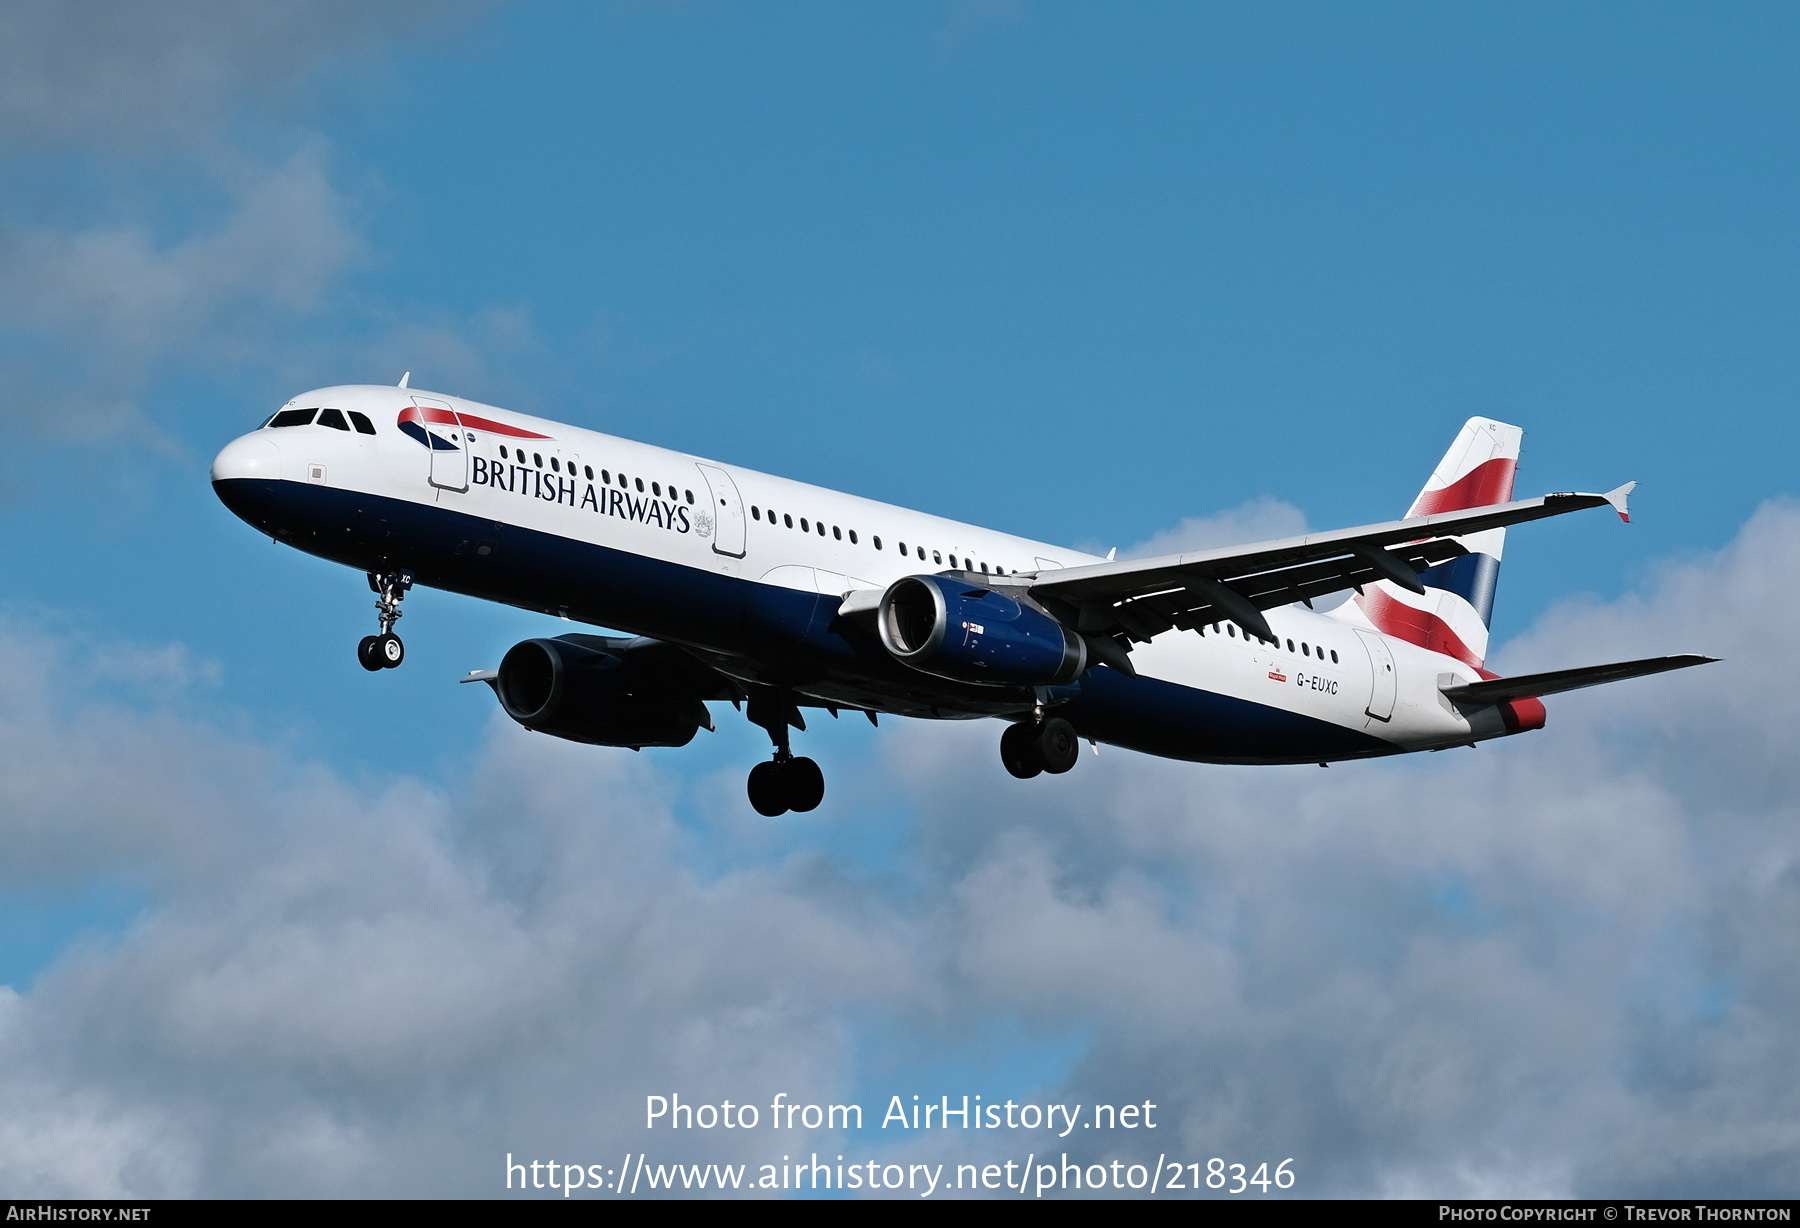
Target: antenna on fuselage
403,380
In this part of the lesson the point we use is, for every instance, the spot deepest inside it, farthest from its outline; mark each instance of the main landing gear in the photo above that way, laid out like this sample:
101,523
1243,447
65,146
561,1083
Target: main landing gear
385,651
786,782
1048,745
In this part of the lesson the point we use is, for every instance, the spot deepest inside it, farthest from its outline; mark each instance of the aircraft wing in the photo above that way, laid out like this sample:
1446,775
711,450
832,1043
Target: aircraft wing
1142,598
1535,686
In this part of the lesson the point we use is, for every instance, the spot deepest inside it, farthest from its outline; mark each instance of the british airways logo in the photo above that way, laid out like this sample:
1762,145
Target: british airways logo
535,483
437,429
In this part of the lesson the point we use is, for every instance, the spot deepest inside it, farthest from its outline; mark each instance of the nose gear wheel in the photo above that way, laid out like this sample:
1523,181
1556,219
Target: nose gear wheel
385,651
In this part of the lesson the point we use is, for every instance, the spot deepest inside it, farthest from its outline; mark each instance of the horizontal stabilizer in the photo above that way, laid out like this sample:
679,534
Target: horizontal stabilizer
1536,686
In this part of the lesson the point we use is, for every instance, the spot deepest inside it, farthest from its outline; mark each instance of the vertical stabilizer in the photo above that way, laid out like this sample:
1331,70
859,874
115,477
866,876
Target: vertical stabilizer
1453,614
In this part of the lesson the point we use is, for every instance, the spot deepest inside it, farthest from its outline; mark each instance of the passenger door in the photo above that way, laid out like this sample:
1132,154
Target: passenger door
449,445
1381,669
728,523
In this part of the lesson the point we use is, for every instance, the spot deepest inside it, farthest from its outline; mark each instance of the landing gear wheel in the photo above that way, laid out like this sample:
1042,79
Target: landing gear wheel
780,785
366,653
389,651
767,795
1018,750
1057,745
804,784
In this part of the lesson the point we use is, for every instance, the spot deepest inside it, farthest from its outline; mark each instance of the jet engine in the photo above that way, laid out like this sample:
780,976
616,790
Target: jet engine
958,630
605,691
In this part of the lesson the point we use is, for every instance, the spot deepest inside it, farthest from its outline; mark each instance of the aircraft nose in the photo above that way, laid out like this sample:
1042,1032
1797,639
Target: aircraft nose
249,456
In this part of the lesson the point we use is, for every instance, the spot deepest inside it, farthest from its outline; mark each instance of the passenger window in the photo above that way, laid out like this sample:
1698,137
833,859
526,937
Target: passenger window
1290,644
1334,656
877,542
605,478
589,471
852,537
820,526
554,464
689,494
902,547
803,525
502,451
787,520
1231,630
361,423
755,512
656,489
921,552
293,417
538,459
640,485
837,533
1304,650
937,558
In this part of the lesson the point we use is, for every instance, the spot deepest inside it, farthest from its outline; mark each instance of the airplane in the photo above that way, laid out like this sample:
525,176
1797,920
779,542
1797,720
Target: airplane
779,597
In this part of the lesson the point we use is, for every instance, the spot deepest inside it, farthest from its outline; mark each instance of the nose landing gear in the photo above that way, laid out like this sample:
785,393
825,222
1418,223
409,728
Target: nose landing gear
788,781
1030,747
385,651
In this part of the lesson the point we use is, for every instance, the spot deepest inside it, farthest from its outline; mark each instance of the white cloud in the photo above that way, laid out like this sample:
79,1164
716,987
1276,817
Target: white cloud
1558,964
1261,519
117,73
121,299
91,315
212,221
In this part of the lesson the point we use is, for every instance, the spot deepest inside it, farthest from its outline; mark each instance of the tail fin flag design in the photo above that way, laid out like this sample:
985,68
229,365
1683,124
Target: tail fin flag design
1453,615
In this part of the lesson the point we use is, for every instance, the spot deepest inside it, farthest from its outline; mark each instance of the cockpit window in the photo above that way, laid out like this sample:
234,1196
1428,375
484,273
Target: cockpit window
293,417
333,418
361,423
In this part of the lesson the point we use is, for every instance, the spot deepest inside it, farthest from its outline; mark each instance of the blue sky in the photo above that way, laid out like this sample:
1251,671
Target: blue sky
1072,271
1073,274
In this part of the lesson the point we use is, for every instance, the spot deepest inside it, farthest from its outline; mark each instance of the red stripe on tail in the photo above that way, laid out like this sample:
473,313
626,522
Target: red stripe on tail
1415,626
1486,484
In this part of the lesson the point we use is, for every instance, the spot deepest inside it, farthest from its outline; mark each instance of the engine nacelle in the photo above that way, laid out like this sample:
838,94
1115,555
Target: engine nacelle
959,630
589,689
